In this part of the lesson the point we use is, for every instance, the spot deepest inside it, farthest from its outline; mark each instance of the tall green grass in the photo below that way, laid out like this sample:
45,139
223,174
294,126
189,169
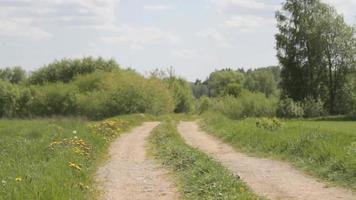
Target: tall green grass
323,148
54,158
197,176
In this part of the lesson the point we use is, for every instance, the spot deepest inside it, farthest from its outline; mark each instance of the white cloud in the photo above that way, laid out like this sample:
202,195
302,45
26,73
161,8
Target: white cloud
31,16
157,7
22,29
245,4
185,53
140,37
215,35
248,23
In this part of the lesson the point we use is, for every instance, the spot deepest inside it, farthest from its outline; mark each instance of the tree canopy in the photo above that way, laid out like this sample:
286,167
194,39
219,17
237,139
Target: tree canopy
316,50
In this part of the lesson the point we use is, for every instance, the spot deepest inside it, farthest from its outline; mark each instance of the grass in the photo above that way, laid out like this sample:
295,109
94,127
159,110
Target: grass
54,158
197,176
324,148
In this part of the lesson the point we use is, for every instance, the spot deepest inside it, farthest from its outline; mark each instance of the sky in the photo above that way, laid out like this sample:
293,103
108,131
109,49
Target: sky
195,37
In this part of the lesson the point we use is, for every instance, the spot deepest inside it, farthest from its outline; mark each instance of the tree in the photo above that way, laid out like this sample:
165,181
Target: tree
339,46
233,89
219,80
315,48
13,75
261,80
182,94
199,89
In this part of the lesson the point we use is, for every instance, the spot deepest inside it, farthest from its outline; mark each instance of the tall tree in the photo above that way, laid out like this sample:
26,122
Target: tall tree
315,48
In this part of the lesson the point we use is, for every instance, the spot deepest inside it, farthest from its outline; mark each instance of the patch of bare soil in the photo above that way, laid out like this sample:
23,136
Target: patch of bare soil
270,178
129,174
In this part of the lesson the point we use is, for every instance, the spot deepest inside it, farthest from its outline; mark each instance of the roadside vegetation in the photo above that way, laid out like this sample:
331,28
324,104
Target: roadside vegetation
197,176
55,158
325,148
89,87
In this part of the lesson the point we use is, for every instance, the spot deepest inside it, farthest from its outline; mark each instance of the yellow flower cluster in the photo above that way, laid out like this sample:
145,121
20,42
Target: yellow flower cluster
75,166
54,144
83,186
79,146
109,128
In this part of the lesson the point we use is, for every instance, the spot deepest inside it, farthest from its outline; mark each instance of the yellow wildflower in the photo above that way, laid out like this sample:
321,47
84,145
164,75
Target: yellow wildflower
74,166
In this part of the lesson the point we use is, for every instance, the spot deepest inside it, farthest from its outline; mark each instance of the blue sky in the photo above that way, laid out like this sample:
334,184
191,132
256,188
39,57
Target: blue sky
193,36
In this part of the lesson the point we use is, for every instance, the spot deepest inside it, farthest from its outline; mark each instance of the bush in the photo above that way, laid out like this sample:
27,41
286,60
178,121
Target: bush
9,95
271,124
287,108
96,96
246,105
53,99
182,94
203,105
66,69
13,75
122,92
313,107
233,89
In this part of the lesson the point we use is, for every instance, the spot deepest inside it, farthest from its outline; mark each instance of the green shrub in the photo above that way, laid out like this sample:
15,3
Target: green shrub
95,96
66,69
53,99
287,108
271,124
121,92
203,105
9,95
233,89
313,107
182,94
13,75
246,105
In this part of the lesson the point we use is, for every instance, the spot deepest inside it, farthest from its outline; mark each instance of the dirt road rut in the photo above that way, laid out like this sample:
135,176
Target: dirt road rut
129,174
269,178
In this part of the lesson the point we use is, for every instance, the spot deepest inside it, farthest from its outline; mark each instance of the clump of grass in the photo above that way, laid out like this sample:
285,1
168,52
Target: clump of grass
323,148
53,158
270,124
197,175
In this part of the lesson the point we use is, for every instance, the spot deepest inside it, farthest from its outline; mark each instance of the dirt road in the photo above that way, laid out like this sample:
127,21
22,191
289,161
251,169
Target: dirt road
129,174
269,178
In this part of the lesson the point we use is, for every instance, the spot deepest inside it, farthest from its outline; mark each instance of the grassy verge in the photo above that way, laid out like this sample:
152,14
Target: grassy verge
326,149
54,158
197,176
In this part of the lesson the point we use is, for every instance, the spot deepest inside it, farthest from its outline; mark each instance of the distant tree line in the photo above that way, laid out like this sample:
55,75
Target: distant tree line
95,88
233,82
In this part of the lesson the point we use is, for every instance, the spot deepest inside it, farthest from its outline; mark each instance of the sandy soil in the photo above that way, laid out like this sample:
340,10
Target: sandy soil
130,174
269,178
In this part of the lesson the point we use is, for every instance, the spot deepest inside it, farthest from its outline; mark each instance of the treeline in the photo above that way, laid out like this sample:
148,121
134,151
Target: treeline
317,74
92,87
239,93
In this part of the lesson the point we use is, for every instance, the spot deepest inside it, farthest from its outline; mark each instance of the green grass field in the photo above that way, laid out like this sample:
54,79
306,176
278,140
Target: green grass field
324,148
57,158
54,158
197,176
